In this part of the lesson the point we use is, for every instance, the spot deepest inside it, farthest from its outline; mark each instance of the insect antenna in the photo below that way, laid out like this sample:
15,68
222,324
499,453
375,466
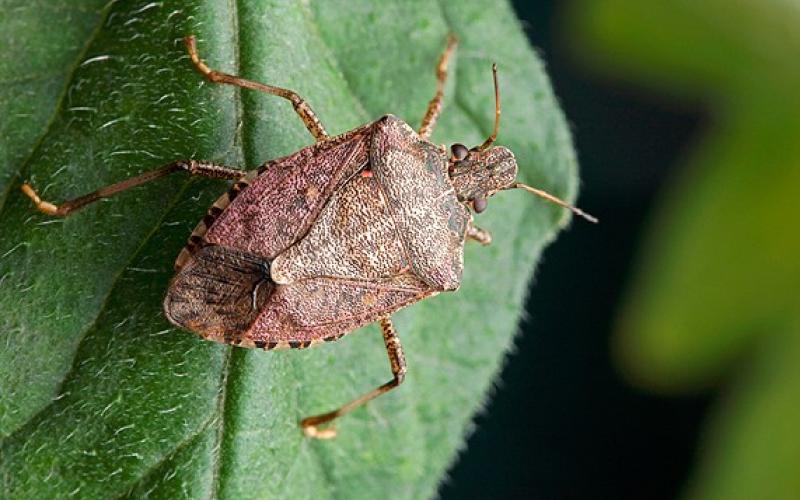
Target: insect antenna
490,140
558,201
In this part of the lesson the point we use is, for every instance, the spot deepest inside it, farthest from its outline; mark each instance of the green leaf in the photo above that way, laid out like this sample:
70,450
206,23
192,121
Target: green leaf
98,395
717,290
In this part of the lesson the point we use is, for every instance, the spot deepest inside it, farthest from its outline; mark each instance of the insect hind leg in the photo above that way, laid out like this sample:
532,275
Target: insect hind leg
397,361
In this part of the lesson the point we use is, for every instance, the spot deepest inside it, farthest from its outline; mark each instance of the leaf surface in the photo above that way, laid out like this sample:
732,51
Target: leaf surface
98,395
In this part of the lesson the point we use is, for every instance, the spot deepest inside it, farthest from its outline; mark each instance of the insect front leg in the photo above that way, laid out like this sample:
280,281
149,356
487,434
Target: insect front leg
300,105
435,106
193,167
482,236
397,361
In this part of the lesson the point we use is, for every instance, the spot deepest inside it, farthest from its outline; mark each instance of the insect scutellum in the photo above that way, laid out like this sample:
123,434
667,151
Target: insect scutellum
479,172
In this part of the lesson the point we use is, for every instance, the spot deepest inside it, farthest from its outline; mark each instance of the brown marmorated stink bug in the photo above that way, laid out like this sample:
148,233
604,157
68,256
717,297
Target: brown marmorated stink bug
340,234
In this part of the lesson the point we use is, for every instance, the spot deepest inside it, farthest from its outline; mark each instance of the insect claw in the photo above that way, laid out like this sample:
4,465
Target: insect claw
199,64
315,432
43,206
311,428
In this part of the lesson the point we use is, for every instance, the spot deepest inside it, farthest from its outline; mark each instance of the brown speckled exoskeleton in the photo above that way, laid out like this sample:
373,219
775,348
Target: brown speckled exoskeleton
342,233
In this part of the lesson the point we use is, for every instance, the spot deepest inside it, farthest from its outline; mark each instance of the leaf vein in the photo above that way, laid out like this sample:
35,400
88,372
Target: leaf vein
186,442
223,406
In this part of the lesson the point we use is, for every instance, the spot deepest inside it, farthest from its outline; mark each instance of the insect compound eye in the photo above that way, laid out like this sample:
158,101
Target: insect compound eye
479,205
459,151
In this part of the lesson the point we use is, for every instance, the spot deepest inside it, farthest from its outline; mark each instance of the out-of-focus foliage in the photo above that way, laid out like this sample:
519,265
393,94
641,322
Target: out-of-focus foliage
717,293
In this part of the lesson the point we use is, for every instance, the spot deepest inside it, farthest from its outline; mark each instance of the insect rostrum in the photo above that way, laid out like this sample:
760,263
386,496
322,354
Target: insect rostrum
309,247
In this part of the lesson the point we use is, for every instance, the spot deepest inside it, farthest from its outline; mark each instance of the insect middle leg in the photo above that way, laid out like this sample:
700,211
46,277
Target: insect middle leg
435,106
193,167
397,361
300,105
478,234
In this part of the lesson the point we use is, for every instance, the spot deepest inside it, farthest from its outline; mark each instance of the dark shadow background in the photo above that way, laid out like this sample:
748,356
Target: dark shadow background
564,424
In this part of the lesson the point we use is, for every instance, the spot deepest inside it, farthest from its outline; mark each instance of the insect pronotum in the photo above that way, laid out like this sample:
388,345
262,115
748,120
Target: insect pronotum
309,247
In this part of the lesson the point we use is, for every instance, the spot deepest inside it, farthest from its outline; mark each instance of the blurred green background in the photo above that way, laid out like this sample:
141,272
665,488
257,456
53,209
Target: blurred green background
661,357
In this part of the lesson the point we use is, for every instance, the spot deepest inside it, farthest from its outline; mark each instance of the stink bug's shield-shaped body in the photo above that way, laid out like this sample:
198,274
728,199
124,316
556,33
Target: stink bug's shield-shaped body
323,241
339,234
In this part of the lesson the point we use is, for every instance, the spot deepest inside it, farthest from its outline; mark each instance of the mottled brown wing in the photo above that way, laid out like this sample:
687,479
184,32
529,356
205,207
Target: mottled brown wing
279,205
431,223
219,293
227,295
323,309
